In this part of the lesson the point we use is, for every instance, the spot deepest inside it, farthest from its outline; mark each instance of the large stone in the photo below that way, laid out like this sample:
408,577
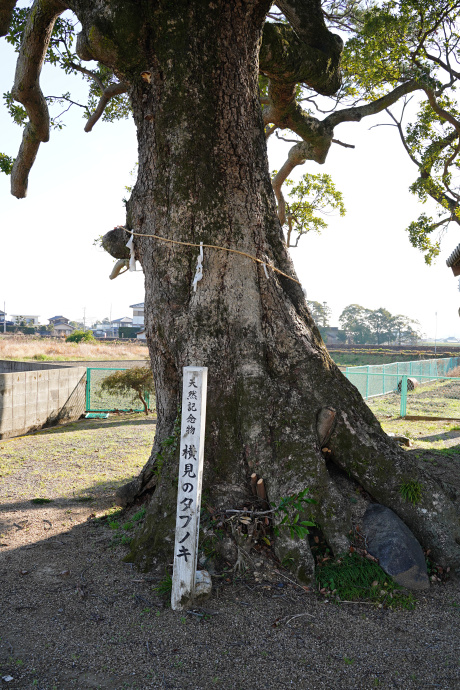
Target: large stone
203,586
391,541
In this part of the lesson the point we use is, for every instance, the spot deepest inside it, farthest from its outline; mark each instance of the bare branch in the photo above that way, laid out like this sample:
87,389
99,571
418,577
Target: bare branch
107,94
357,113
88,73
297,156
342,143
443,64
290,141
398,124
27,90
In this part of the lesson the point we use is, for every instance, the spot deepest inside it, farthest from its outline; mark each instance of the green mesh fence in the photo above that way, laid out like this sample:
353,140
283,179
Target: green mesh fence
436,398
98,400
380,379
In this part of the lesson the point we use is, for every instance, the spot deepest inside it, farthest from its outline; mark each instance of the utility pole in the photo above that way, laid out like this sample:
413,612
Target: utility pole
435,331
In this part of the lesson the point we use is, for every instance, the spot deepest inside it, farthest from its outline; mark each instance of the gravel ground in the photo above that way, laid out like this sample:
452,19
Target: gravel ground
74,615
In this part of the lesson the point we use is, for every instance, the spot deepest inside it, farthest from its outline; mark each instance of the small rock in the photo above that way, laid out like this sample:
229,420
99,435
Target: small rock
398,551
203,585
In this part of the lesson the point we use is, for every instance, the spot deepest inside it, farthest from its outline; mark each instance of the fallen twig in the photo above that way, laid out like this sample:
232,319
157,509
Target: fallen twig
298,615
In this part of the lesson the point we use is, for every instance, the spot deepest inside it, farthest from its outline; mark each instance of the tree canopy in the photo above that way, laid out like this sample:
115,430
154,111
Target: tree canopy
367,326
400,58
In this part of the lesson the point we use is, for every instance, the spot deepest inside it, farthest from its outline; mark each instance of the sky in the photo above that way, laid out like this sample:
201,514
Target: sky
50,265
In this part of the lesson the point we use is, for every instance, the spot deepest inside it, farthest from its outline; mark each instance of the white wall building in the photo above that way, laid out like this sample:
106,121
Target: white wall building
30,319
138,314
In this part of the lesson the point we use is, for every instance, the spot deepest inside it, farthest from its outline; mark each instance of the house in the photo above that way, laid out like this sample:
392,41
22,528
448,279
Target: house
138,314
141,335
331,335
28,319
61,326
58,319
124,321
63,329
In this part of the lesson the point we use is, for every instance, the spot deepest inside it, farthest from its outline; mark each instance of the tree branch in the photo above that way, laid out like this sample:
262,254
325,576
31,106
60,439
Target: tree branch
357,113
6,13
307,20
441,111
403,138
286,58
88,73
26,88
297,156
342,143
107,94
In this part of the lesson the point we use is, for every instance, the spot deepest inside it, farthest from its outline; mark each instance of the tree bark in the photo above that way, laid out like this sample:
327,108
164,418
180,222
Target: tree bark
275,398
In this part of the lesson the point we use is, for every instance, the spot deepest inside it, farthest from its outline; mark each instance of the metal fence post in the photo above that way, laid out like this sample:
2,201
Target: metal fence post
402,411
367,383
88,387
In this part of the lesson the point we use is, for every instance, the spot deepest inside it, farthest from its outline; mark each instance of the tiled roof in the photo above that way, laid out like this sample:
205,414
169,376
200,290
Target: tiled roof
454,257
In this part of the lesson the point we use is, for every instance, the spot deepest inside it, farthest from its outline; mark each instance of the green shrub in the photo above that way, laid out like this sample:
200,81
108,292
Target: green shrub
80,337
138,380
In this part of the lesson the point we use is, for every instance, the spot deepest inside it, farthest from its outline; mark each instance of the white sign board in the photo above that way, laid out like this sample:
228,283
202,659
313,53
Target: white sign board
189,490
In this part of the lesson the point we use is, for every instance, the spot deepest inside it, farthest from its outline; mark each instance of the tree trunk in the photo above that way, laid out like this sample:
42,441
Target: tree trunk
275,398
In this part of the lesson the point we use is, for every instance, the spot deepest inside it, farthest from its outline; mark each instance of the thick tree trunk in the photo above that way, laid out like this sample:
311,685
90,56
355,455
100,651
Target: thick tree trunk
275,398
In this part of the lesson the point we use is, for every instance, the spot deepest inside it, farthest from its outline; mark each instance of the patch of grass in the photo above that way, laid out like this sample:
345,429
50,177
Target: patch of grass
411,491
164,587
87,460
40,501
354,578
114,523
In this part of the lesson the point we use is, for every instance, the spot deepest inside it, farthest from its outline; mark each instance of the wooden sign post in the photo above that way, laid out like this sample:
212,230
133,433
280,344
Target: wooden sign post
189,492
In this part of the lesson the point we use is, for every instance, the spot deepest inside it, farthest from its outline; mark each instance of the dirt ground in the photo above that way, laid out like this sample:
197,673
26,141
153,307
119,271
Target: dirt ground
74,615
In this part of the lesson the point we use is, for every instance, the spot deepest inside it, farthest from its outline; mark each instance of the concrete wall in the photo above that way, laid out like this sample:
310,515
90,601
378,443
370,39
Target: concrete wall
7,366
36,395
109,364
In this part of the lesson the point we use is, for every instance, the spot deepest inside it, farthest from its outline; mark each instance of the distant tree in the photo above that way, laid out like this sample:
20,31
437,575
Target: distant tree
321,313
138,380
380,322
354,320
405,329
80,337
367,326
